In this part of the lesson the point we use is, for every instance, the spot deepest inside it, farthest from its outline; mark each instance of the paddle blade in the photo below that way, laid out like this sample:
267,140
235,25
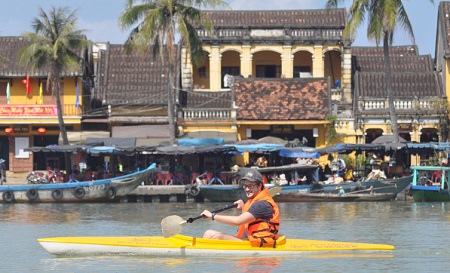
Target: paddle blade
275,190
172,225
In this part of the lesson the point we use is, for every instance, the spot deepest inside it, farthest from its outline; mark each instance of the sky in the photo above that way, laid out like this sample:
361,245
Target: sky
100,18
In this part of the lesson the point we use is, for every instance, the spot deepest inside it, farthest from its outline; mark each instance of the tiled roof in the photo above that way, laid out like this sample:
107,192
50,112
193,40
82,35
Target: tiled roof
407,50
444,16
282,99
277,18
398,64
133,79
10,68
199,99
420,84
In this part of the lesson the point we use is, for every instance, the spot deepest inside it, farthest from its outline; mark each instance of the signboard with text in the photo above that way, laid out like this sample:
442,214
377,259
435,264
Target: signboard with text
22,110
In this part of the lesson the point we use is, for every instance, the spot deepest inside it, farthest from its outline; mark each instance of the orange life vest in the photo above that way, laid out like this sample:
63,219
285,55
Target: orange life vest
261,232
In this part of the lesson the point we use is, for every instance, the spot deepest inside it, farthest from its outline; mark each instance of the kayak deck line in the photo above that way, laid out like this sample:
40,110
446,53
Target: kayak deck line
185,245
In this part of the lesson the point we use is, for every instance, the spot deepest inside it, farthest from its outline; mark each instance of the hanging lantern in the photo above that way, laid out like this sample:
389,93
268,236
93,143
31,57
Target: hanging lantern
9,131
42,131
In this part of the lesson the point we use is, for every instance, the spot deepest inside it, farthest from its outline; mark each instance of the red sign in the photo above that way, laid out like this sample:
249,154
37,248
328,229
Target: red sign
38,110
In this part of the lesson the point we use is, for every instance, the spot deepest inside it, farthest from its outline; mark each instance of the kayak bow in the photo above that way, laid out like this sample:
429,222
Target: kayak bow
180,245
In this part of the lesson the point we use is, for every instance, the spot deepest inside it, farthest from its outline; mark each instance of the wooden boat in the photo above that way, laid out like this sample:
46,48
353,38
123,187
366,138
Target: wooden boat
180,245
231,193
430,184
102,190
328,197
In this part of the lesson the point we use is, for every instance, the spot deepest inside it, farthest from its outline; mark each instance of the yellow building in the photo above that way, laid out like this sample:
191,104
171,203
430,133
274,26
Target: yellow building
296,55
28,117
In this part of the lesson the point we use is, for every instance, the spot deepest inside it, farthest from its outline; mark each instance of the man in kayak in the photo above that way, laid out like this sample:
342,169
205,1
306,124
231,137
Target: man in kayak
260,218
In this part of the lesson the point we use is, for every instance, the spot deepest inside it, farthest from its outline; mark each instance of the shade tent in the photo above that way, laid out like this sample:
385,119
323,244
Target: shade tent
200,141
344,148
261,147
427,148
109,150
58,148
299,153
181,150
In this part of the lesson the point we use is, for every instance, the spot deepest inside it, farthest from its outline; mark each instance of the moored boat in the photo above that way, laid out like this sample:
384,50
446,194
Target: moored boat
231,193
430,184
103,190
329,197
180,245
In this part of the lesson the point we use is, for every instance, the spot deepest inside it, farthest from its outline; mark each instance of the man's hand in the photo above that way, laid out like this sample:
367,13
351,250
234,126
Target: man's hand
206,214
240,204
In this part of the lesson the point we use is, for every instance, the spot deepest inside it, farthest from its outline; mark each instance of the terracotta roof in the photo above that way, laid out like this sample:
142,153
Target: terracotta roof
444,17
399,64
199,99
282,99
132,79
407,50
10,68
420,84
278,18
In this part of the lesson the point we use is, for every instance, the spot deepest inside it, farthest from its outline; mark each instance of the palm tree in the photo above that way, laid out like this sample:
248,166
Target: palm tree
158,24
383,17
55,46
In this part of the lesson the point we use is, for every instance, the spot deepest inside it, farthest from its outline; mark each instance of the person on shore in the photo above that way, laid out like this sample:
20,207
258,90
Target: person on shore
260,218
2,171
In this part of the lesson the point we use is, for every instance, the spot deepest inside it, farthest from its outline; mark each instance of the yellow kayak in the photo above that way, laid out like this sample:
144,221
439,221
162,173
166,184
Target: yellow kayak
180,245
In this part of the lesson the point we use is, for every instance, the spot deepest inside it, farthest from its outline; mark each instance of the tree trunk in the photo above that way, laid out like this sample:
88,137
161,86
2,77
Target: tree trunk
170,104
62,127
389,88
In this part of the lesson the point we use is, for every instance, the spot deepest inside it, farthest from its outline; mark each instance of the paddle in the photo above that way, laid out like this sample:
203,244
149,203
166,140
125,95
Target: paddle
173,224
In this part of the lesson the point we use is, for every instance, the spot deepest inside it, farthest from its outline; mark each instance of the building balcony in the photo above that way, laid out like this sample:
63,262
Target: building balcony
412,105
186,114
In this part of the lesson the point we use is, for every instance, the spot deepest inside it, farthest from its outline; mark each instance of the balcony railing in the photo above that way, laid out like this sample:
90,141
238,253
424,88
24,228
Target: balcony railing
206,114
413,104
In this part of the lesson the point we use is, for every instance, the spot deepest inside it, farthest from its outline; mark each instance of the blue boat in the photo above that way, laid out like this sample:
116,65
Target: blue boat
103,190
430,184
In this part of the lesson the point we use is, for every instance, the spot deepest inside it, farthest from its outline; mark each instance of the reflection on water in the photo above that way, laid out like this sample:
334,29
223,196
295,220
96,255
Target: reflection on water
417,230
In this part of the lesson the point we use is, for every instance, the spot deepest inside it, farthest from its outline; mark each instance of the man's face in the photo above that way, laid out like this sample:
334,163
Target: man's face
251,188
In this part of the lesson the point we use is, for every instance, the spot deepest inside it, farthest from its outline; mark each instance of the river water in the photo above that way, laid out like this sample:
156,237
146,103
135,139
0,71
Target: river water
419,231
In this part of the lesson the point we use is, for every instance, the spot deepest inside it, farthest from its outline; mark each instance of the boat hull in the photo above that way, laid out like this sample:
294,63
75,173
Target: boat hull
104,190
180,245
229,193
324,197
429,194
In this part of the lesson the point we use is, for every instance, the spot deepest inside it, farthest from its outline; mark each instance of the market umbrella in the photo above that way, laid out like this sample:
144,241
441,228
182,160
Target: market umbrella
390,142
272,140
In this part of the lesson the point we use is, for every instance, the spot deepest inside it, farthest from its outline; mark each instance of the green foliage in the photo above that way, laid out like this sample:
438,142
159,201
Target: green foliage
332,135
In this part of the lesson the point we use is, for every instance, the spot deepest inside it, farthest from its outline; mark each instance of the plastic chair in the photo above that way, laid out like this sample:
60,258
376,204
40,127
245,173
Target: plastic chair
209,176
223,177
194,177
180,177
169,179
160,178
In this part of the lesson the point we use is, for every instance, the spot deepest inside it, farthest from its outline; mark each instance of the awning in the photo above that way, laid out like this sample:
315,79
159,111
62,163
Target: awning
146,135
112,141
228,137
80,137
200,141
181,150
263,147
298,153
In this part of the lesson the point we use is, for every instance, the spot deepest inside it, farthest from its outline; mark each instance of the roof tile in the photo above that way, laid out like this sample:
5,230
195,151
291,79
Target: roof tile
282,99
